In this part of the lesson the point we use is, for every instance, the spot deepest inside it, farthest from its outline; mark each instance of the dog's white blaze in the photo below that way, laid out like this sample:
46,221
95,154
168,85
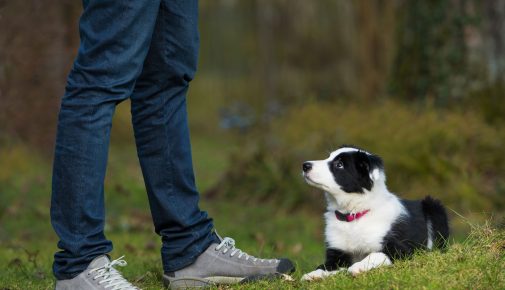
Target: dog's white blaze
370,262
343,150
430,235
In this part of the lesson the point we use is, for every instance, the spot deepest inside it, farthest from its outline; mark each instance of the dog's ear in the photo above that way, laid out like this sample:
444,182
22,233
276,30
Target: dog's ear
375,166
369,167
363,166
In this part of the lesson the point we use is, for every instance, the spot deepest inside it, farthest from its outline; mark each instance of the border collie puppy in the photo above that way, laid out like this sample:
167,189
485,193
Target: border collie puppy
366,225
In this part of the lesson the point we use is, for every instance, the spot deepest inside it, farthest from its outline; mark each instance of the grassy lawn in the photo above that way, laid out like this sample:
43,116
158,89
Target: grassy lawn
27,241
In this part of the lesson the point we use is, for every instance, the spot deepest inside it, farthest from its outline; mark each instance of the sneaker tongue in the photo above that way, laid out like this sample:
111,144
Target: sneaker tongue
99,262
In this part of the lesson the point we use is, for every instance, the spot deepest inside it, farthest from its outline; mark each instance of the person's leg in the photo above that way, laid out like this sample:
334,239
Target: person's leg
162,136
115,38
192,254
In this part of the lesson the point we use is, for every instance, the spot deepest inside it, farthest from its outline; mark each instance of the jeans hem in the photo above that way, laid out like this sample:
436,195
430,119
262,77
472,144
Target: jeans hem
175,266
66,276
60,277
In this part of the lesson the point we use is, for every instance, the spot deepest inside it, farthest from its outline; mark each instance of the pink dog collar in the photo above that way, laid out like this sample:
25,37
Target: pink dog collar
349,217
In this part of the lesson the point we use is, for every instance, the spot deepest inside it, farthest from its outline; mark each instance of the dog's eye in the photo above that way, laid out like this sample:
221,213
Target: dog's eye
339,164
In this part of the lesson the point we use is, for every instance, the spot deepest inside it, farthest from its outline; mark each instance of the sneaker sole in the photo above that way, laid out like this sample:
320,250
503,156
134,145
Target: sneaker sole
195,282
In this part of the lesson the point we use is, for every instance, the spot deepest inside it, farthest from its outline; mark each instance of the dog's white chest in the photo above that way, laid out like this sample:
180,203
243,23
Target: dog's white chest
364,235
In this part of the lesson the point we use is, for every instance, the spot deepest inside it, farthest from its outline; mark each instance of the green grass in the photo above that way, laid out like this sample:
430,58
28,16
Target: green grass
27,242
477,263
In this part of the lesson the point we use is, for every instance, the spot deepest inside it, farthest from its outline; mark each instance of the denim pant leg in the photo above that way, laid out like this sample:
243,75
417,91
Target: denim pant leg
162,137
115,39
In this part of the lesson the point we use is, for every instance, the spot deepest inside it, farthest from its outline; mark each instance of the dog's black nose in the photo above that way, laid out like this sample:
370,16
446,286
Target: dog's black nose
307,166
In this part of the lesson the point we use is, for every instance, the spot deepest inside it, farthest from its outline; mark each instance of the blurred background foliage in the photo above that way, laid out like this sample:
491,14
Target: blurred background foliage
420,83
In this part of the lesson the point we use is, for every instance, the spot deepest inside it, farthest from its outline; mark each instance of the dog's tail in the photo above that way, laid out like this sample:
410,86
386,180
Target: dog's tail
437,223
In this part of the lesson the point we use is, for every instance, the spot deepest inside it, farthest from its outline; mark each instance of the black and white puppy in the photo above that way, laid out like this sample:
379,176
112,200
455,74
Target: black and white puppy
366,225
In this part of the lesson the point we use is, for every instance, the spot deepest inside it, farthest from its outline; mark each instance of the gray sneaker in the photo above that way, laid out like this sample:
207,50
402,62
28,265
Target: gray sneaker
99,275
224,264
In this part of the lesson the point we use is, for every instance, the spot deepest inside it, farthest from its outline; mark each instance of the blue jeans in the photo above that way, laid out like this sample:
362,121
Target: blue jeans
145,50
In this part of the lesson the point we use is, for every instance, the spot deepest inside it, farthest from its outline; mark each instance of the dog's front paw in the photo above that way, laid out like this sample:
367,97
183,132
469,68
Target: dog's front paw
314,275
287,277
319,274
357,268
372,261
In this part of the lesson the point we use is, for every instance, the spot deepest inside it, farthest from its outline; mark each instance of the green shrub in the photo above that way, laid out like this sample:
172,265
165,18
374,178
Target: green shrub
454,156
489,102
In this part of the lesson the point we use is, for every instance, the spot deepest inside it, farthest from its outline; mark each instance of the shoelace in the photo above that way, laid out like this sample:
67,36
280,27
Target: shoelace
113,279
228,244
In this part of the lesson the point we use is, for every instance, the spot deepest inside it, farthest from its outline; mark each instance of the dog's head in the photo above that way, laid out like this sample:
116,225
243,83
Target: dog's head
348,170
